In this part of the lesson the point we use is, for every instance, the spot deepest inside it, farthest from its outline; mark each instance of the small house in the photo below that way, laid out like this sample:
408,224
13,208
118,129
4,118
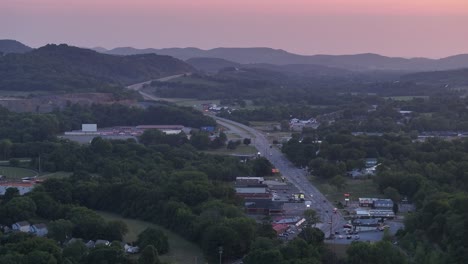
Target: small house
22,226
90,244
131,249
371,163
102,242
39,230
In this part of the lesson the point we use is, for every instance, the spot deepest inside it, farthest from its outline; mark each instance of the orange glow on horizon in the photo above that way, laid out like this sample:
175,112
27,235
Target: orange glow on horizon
316,7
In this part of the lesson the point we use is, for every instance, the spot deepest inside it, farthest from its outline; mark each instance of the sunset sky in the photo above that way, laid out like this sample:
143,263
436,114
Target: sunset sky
408,28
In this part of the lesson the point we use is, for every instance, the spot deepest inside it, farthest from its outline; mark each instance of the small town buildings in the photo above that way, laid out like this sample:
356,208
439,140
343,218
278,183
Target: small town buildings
39,230
288,220
366,224
384,214
263,206
383,204
280,228
23,187
253,190
22,226
366,202
249,180
297,124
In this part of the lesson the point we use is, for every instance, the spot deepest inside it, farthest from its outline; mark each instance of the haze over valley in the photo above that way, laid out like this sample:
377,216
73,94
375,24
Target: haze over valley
286,132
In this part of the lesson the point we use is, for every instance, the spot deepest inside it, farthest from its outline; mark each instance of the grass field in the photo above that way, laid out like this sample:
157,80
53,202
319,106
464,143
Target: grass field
16,173
356,189
181,250
56,175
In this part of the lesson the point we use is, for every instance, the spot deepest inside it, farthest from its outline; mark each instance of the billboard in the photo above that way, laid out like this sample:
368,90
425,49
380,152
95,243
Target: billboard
89,127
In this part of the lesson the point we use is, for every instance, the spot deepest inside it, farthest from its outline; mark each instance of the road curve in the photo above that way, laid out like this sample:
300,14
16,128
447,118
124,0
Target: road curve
139,86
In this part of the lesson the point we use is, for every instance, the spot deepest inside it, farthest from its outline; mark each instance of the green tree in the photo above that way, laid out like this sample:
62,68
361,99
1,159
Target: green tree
60,230
393,194
14,162
75,251
154,237
39,257
18,209
312,235
272,256
262,167
5,148
10,193
311,217
200,140
149,255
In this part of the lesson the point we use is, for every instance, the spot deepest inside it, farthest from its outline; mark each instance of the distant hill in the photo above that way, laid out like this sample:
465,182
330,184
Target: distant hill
100,49
358,62
12,46
449,79
211,65
71,69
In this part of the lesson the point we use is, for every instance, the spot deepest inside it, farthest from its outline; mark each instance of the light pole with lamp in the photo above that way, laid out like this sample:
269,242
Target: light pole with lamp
220,251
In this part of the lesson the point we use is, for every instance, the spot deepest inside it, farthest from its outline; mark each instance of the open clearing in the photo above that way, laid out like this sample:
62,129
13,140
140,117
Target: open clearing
16,173
56,175
181,250
356,189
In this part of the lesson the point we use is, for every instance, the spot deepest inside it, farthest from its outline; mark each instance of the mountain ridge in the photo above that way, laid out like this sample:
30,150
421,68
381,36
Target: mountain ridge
13,46
72,69
354,62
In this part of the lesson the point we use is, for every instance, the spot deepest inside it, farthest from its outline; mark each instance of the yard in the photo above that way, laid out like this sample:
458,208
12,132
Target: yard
181,250
16,173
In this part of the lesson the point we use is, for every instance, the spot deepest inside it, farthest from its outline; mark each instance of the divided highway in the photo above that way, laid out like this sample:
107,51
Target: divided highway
296,176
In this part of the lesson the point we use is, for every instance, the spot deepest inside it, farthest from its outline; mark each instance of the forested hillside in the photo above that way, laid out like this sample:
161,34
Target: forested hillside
12,46
72,69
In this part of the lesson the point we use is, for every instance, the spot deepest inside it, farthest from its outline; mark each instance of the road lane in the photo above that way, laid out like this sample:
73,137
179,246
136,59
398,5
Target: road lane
297,176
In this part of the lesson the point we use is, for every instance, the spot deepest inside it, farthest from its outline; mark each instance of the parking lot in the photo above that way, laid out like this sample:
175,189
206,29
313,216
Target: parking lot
368,236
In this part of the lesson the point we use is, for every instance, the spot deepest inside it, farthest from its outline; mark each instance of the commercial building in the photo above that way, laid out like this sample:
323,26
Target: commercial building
22,187
263,206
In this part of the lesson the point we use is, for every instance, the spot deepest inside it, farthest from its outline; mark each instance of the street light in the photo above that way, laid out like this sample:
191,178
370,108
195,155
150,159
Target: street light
220,251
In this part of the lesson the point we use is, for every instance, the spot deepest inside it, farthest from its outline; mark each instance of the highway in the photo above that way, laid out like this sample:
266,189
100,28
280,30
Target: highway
139,86
298,177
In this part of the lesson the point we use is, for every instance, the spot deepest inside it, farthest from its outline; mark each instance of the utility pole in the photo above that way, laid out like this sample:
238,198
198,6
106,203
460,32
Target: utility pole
39,165
220,251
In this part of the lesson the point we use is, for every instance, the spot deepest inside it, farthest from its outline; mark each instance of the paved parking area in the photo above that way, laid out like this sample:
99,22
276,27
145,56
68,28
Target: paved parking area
370,236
